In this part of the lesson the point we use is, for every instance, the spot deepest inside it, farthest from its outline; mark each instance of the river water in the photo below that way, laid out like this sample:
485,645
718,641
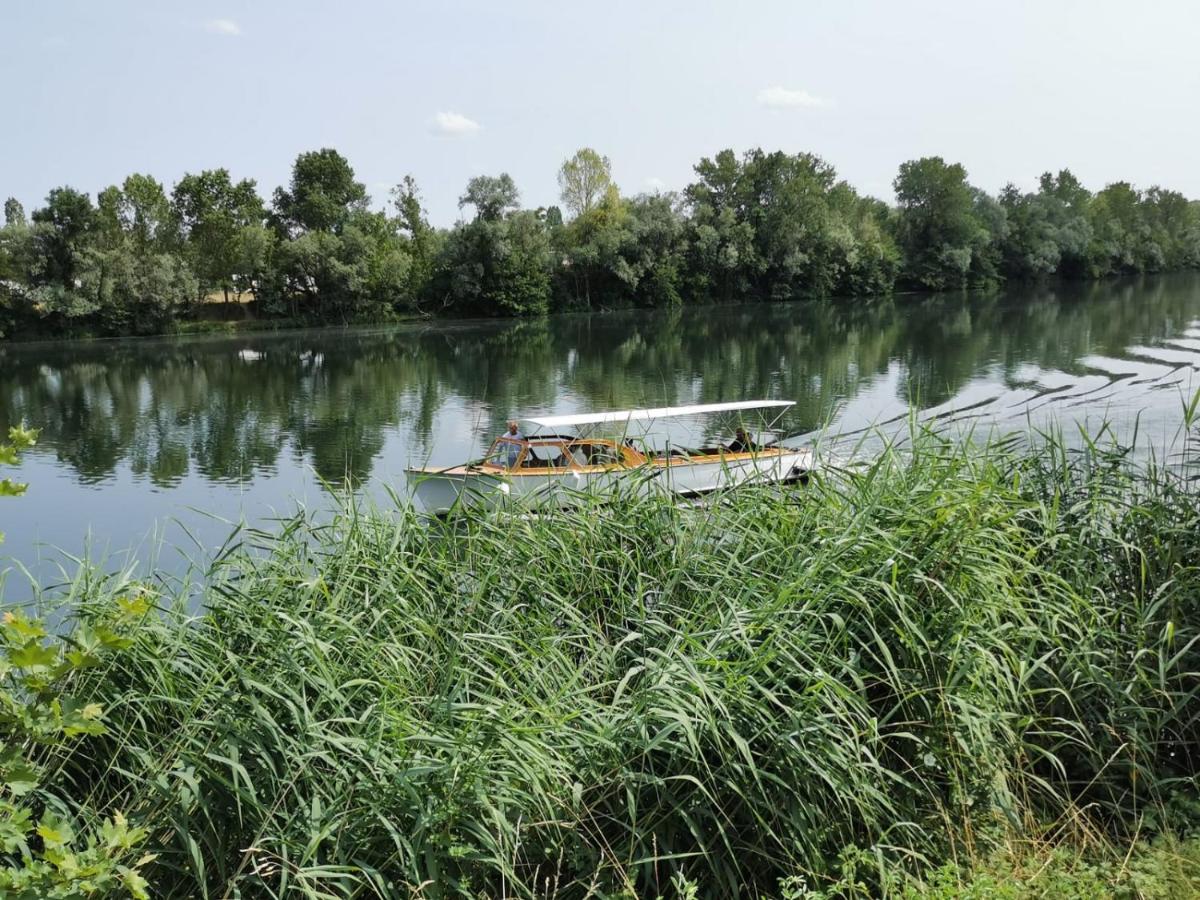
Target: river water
152,448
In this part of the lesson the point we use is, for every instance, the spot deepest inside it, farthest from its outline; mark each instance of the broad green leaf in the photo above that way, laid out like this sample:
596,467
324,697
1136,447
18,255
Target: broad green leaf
81,718
19,627
134,606
137,886
15,823
10,488
18,775
54,832
33,655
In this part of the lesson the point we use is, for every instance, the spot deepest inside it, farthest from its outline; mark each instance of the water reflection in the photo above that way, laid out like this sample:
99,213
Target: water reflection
231,410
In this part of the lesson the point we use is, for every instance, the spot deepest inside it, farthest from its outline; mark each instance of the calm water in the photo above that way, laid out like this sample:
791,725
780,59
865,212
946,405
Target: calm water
173,439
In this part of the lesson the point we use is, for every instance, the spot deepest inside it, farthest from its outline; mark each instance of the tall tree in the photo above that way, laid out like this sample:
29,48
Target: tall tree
146,213
492,196
723,257
499,263
14,212
222,228
1118,230
62,229
938,225
133,277
423,238
322,194
585,180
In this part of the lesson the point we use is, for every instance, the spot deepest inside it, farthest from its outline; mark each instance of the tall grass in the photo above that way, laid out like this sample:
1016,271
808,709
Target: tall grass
891,666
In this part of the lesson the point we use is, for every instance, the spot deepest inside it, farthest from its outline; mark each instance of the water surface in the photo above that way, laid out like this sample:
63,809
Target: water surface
176,438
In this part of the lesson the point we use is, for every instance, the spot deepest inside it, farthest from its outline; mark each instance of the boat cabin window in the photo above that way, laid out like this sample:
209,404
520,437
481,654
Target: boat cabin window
587,453
545,456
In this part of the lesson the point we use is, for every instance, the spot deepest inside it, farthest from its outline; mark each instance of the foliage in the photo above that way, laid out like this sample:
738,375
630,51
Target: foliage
585,181
19,438
358,273
14,212
222,227
1167,869
53,841
941,226
492,197
496,266
782,227
41,853
763,225
903,663
424,241
322,195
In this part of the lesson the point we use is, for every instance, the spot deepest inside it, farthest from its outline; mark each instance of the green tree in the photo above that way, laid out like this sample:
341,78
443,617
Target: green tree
66,222
222,230
146,214
591,250
1048,231
724,260
780,226
14,212
132,276
423,239
134,292
322,194
492,196
1171,221
62,234
1119,233
1068,201
360,274
654,251
585,181
1032,248
17,264
499,263
944,226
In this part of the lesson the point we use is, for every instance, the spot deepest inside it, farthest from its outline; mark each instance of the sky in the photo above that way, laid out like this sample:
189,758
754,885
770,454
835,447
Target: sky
94,91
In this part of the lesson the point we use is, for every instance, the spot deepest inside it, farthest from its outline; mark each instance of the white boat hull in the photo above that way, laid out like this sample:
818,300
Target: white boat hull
440,492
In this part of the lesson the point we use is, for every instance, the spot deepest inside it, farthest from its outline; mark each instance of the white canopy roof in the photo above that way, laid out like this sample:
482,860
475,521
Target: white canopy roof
663,412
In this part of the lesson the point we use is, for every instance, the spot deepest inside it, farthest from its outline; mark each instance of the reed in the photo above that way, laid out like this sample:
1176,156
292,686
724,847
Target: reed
895,666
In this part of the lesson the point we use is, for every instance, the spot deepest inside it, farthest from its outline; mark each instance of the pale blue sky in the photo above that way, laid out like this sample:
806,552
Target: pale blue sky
95,90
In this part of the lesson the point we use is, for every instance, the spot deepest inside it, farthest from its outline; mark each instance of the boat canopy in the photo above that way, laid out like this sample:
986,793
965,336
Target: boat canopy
662,412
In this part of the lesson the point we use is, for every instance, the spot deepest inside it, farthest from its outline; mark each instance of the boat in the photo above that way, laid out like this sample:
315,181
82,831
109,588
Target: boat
564,459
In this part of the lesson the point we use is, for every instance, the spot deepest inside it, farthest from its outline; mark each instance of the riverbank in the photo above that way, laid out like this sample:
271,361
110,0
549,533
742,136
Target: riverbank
871,680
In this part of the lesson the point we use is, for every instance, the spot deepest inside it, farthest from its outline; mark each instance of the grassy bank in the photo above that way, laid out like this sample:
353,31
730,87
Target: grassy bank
886,682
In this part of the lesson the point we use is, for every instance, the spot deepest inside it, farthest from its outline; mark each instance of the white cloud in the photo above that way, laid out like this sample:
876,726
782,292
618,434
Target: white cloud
454,124
223,26
779,97
655,184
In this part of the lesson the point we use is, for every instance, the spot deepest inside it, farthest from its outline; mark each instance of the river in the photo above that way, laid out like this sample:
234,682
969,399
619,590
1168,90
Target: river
151,449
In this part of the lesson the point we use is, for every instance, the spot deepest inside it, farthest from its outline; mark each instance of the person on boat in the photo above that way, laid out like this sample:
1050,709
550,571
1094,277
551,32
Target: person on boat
741,442
513,435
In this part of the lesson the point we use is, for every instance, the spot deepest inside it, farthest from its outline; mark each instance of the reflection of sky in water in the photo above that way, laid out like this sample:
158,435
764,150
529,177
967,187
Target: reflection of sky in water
179,438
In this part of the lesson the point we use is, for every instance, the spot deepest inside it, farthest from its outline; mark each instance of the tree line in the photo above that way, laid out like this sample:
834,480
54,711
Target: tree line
774,226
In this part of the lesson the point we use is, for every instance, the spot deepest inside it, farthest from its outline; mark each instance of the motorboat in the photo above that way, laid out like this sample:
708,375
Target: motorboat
560,460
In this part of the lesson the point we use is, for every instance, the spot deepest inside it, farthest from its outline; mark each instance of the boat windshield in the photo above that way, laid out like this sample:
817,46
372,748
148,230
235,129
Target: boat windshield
505,452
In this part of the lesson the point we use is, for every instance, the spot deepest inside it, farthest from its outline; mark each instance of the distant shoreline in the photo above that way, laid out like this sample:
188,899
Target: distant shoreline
141,260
